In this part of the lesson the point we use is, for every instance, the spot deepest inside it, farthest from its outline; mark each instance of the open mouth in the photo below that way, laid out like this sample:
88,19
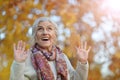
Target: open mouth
45,39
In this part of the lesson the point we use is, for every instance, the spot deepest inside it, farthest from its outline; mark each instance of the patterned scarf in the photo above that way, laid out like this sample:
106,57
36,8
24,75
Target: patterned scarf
40,60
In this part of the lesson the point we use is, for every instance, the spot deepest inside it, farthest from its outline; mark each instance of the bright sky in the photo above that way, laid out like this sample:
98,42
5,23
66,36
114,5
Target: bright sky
112,5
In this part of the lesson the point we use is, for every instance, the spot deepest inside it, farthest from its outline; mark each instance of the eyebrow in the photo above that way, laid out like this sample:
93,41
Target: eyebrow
39,26
47,26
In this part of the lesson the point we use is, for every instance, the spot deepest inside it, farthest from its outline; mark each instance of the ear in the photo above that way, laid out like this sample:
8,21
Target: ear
35,38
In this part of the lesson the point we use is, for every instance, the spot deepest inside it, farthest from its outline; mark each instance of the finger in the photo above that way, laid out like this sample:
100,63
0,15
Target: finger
88,49
77,48
24,44
85,46
20,45
81,46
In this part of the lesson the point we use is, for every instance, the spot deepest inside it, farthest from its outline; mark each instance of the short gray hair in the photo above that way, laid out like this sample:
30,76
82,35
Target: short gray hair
42,19
35,25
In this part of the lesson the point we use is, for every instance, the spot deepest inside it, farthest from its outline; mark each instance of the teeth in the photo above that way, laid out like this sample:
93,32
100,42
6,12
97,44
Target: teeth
44,38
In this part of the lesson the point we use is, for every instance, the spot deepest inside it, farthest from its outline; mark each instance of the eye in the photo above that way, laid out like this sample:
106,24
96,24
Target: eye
49,28
40,28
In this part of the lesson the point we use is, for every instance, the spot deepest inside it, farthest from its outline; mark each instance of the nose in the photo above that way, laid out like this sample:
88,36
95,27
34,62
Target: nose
45,31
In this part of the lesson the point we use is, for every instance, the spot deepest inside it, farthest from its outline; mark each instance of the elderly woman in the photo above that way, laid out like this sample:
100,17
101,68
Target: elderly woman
45,60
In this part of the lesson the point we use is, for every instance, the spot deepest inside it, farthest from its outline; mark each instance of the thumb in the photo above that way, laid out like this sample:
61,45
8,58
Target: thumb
26,52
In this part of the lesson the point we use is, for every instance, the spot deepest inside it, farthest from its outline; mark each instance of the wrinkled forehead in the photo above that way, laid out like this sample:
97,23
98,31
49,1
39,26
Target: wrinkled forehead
46,24
43,21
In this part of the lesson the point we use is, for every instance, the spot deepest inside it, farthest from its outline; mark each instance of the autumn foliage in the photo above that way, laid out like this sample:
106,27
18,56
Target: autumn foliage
77,20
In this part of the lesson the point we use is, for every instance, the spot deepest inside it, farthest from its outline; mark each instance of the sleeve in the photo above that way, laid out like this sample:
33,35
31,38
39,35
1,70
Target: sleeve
17,71
80,73
23,71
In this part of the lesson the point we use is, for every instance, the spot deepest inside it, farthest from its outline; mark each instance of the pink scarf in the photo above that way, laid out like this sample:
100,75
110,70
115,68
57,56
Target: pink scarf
40,60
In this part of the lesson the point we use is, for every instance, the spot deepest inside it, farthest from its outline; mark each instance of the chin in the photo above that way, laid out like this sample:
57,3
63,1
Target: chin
46,46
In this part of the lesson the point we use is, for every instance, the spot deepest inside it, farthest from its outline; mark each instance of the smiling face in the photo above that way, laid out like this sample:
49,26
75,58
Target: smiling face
45,34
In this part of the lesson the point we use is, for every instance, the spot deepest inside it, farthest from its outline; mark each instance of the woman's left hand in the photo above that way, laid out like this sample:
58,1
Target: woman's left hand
82,52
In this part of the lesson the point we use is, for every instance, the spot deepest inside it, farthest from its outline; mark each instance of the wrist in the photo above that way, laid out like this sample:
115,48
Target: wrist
19,61
83,61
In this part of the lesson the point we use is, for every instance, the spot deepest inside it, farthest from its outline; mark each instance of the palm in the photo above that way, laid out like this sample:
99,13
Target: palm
20,54
82,52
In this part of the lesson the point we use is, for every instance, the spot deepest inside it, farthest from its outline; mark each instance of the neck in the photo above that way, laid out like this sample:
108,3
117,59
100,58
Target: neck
48,49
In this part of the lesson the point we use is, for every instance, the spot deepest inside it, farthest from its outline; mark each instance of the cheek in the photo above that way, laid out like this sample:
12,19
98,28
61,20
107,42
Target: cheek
54,38
37,35
53,35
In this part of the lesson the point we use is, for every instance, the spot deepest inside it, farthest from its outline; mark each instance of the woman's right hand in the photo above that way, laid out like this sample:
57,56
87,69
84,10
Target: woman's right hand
20,54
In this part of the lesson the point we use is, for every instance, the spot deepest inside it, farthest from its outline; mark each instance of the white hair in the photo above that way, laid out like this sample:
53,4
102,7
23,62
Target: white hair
42,19
35,25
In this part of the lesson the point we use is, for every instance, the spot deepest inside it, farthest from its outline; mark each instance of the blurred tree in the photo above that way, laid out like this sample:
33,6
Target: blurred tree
77,20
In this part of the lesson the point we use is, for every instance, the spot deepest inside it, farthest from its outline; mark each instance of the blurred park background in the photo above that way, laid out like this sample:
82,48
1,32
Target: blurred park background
94,21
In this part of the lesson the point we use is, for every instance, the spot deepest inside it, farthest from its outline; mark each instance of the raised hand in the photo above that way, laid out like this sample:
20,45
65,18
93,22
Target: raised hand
82,52
20,54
